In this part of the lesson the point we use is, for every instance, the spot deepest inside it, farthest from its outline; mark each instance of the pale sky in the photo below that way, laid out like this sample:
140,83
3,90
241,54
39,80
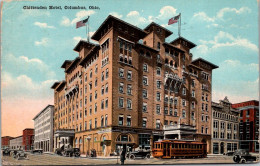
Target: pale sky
35,43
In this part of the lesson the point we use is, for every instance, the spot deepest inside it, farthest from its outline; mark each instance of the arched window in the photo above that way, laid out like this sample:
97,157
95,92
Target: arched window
171,63
166,61
76,141
80,140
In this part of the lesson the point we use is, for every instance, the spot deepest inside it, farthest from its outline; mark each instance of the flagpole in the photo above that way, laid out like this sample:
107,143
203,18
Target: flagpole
179,31
88,29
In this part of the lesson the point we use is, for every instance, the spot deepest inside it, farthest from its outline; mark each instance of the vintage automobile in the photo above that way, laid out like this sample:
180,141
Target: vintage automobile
230,153
18,154
243,156
59,151
37,151
71,152
6,152
139,153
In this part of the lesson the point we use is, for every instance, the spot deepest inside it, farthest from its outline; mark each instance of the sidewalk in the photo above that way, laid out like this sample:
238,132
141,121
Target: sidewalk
100,157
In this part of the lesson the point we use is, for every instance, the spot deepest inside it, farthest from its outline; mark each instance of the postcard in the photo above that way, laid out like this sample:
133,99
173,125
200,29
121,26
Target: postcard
129,82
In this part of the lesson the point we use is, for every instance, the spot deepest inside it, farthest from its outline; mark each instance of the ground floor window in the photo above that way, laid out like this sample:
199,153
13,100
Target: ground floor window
144,141
257,147
228,147
215,148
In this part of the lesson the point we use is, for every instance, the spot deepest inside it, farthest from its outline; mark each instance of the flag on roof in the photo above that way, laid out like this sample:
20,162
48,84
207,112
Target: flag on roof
173,20
82,23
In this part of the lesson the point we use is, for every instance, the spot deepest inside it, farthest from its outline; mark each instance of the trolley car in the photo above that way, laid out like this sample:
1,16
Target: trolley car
179,148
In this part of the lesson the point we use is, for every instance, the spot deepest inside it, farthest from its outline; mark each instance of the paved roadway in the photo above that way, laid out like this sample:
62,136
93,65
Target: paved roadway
47,159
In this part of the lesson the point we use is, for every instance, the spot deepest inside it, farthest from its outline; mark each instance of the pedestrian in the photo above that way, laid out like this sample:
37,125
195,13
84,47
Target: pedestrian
122,156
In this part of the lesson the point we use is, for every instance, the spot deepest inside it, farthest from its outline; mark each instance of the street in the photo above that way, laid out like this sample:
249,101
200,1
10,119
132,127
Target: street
49,159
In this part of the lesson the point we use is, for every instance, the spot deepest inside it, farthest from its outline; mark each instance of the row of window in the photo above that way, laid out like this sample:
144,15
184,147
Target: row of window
222,125
103,123
222,135
224,116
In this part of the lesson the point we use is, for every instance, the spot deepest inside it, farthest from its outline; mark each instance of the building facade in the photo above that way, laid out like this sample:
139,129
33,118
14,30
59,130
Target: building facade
43,129
131,89
6,141
225,127
17,143
28,139
249,125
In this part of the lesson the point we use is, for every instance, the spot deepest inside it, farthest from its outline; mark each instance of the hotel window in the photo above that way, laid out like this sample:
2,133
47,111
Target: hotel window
106,103
193,83
171,100
125,58
129,75
183,102
90,86
95,109
206,107
158,109
85,126
159,84
102,104
145,67
102,121
202,117
175,112
121,87
102,76
95,123
158,124
144,107
165,110
102,90
166,99
128,120
175,101
80,104
85,112
184,91
121,102
129,89
106,88
202,97
90,97
183,114
144,122
120,120
90,124
145,80
202,106
86,78
158,96
207,118
90,74
106,120
95,94
96,69
106,73
193,105
158,71
129,104
171,112
85,89
206,97
158,46
192,115
202,128
121,72
96,82
193,93
145,94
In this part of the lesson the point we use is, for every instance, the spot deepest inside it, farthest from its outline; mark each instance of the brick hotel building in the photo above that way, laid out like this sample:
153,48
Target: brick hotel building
131,89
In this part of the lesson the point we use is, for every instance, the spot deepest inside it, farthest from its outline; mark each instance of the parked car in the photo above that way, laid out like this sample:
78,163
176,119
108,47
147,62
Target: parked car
59,151
230,153
6,152
242,156
71,152
39,151
140,153
18,154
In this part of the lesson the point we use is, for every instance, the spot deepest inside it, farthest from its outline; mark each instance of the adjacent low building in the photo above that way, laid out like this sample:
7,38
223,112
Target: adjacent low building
225,127
249,125
28,138
17,143
6,141
43,129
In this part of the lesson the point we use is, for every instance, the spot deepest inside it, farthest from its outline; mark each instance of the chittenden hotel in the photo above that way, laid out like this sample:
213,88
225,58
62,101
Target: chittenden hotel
131,89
